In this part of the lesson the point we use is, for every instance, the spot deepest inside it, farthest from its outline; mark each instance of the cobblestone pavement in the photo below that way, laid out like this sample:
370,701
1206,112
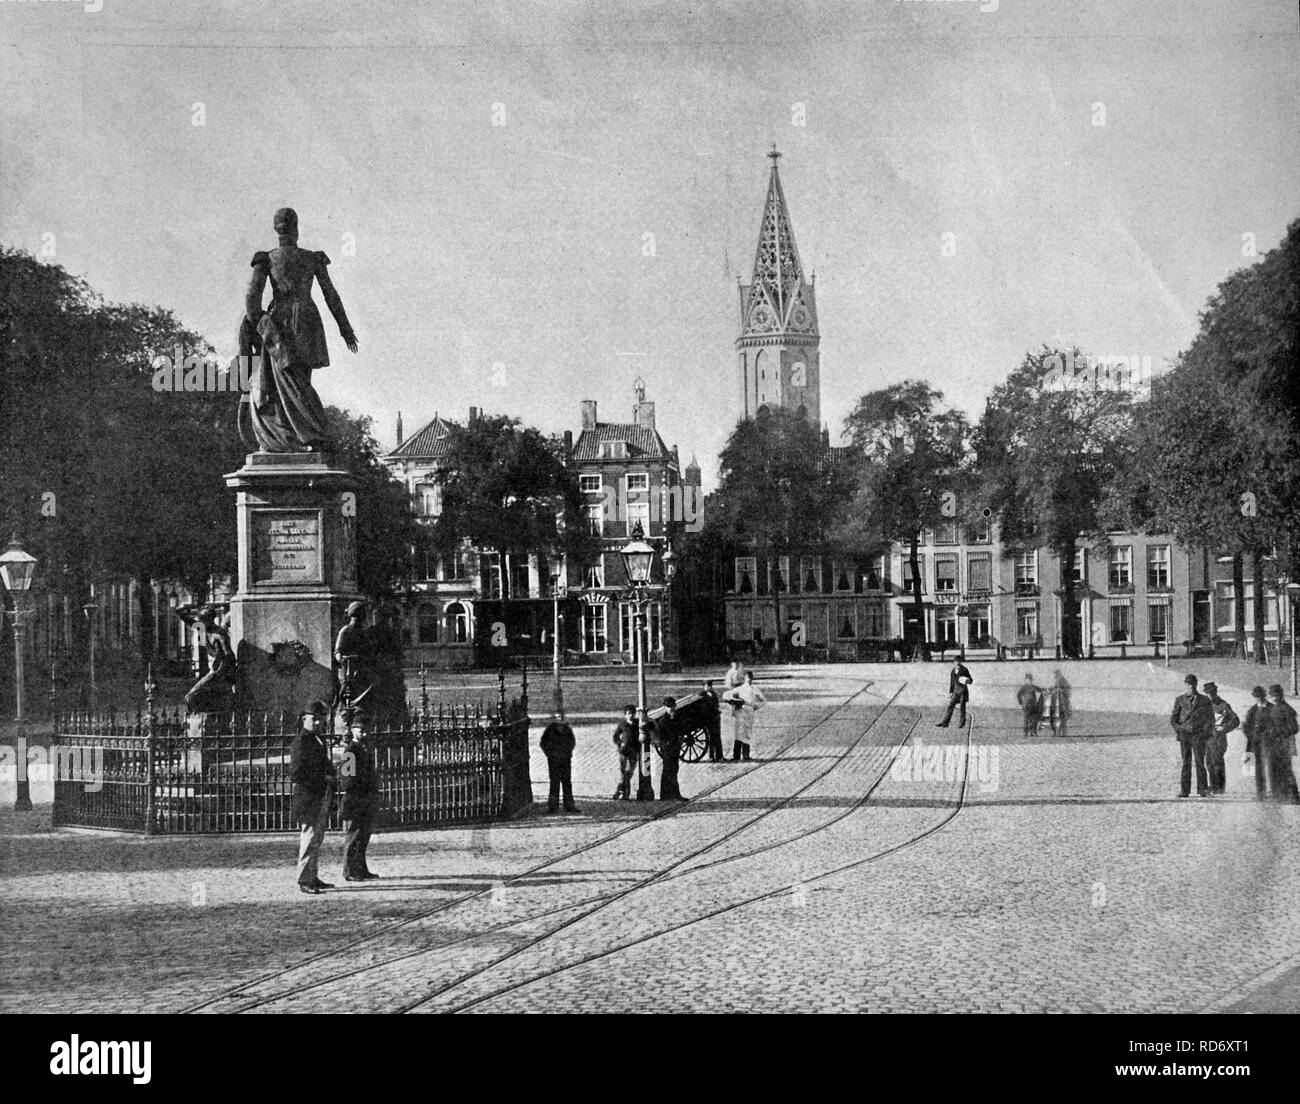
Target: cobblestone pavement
845,870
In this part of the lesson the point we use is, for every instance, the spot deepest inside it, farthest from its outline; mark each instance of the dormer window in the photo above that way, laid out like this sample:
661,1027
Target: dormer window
613,450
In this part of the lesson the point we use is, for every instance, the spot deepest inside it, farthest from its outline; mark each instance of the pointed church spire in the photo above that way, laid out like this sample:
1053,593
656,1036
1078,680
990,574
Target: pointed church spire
777,289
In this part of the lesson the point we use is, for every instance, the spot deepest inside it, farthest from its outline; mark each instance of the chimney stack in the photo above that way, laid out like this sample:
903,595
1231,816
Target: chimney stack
588,411
473,414
399,427
568,443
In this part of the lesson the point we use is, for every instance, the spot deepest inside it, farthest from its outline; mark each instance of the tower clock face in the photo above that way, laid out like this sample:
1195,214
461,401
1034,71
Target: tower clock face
801,318
799,374
762,317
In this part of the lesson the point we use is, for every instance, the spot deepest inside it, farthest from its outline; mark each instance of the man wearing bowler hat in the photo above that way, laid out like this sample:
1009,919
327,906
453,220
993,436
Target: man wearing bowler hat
360,798
312,775
1193,723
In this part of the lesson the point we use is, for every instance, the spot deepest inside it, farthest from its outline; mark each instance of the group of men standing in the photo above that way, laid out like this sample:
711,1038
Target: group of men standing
1202,722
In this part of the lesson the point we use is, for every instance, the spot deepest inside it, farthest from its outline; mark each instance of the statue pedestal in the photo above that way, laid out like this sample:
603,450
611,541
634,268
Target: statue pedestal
297,575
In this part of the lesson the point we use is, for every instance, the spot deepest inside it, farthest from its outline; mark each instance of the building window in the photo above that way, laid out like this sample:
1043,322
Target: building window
492,583
979,572
1158,567
459,562
593,629
873,620
589,484
1121,566
946,532
519,577
613,450
627,627
1080,570
593,577
981,532
595,515
907,571
429,562
1158,622
456,619
638,513
945,573
1027,570
810,574
638,482
426,623
1120,624
977,625
428,499
872,576
945,624
848,630
782,580
746,574
1027,623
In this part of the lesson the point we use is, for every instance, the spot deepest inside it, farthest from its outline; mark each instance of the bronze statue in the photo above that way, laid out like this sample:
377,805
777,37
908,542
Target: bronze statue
283,409
214,692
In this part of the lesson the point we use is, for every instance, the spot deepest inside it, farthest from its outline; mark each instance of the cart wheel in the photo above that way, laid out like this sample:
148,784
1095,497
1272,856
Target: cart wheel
695,745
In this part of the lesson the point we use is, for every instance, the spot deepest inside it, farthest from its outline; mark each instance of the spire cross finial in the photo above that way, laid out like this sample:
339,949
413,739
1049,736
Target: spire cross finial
774,155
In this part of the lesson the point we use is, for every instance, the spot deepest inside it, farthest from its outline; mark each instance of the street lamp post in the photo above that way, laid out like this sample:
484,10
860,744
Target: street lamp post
17,568
1293,593
638,561
90,609
558,591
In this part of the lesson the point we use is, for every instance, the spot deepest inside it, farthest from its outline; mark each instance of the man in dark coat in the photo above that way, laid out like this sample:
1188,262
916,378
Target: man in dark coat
959,680
1030,700
312,775
1193,723
360,786
1225,720
558,743
1257,727
627,739
1284,727
713,722
668,739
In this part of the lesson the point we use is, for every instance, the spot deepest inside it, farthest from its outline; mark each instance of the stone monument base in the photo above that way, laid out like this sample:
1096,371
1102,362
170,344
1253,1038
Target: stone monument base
297,576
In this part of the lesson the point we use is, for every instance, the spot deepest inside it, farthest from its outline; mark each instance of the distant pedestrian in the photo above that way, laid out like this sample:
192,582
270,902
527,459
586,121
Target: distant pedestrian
747,700
1058,704
558,743
668,741
627,739
1030,700
734,678
312,775
1225,720
959,680
713,722
1284,729
1257,728
360,788
1193,723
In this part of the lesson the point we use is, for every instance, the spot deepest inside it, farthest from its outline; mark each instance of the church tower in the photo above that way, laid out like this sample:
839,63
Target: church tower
777,347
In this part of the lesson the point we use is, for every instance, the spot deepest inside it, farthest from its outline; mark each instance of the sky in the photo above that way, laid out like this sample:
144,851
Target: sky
531,204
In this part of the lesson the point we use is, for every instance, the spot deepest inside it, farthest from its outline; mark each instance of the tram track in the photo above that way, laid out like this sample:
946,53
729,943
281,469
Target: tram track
445,906
723,910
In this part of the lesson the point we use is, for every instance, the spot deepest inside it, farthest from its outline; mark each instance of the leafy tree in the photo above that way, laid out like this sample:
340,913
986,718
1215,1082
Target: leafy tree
778,488
104,474
505,488
1218,446
914,456
1048,455
386,528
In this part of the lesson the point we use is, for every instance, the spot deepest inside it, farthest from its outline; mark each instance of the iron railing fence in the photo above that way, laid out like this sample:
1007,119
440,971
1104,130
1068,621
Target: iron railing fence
164,773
